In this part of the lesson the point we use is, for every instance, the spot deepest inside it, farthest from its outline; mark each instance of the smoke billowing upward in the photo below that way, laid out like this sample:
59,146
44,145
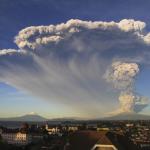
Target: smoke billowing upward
123,75
66,63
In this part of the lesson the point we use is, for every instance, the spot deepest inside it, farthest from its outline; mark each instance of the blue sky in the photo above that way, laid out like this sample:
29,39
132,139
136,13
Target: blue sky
18,14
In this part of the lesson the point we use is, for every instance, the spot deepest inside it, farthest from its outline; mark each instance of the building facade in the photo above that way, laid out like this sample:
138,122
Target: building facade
17,138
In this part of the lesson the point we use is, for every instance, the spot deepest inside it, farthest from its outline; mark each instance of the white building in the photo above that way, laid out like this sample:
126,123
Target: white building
17,138
52,129
73,128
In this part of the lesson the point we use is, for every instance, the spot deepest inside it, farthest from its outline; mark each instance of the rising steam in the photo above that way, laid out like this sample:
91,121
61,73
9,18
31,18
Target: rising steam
66,63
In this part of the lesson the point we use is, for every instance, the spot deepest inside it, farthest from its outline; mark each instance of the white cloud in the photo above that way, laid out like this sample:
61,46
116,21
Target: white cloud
8,52
33,37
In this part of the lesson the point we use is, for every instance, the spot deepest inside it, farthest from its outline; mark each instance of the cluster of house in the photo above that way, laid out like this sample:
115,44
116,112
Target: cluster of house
77,139
139,135
25,136
58,130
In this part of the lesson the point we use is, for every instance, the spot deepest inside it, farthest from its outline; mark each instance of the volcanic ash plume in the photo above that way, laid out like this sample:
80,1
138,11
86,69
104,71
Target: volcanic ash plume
123,75
126,102
65,63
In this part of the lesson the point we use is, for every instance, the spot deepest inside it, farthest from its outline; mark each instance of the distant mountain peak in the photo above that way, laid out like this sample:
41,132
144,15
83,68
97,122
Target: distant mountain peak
32,113
28,117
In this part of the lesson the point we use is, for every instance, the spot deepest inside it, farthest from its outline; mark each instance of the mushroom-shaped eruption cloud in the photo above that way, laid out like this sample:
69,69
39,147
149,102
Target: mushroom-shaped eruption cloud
123,75
66,63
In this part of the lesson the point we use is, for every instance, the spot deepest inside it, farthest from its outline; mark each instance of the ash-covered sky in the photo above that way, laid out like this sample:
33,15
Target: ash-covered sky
74,58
